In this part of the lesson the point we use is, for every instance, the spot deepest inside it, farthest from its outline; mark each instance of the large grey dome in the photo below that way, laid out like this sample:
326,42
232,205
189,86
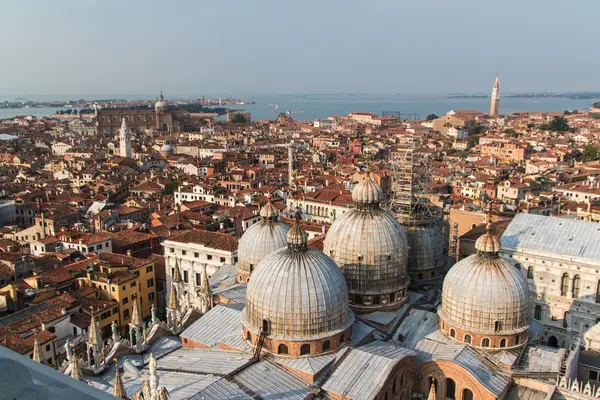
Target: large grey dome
426,256
484,293
300,292
260,240
371,249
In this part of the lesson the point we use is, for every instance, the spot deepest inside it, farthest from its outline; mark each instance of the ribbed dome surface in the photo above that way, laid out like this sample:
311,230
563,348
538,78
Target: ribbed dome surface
301,292
260,240
161,104
488,243
367,191
426,248
482,289
378,239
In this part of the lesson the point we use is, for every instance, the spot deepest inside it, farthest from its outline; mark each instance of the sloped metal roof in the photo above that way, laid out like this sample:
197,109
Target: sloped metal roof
269,381
364,370
221,389
203,361
215,324
561,236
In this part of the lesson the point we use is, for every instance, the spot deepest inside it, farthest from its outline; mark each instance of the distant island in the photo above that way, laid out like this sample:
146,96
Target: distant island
534,95
467,96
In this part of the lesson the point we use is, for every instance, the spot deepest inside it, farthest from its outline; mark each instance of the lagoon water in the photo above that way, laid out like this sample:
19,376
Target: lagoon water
312,106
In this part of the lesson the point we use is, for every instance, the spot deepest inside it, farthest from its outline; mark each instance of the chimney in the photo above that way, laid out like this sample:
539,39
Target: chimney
129,253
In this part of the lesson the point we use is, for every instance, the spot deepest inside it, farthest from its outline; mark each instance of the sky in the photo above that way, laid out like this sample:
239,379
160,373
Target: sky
195,47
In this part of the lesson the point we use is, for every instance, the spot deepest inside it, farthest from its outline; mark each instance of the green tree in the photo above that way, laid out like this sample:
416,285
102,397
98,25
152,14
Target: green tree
238,119
596,104
431,117
559,124
590,153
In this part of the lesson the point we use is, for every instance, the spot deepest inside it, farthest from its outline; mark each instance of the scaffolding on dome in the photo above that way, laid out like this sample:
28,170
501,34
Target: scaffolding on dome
409,200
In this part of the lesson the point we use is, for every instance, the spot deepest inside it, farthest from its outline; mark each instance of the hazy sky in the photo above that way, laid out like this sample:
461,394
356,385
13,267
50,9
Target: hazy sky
240,47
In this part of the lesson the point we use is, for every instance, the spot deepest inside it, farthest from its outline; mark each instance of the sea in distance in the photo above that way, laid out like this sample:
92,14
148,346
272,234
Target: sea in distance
313,106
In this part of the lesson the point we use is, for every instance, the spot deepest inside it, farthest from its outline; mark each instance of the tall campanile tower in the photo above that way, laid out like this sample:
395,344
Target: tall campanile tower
125,140
495,106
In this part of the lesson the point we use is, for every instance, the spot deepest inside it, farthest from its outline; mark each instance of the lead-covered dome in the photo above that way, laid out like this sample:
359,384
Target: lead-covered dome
298,297
426,258
161,105
370,247
261,239
486,297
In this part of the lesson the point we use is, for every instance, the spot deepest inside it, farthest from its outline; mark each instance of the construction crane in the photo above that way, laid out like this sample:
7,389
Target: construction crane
253,147
275,108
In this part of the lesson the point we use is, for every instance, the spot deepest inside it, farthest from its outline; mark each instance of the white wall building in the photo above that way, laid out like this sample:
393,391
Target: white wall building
561,259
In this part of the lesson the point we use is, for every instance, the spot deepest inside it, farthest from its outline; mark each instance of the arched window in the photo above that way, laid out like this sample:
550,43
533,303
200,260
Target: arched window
553,341
420,276
432,274
598,292
530,273
249,336
564,284
358,299
467,394
467,338
435,384
485,342
376,300
265,326
576,284
565,323
517,340
395,385
282,349
392,297
304,349
326,345
537,313
503,342
497,326
450,389
452,333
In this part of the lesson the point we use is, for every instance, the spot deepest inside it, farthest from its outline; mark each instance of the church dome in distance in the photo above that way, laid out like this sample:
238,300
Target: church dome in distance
161,105
485,299
261,239
298,298
166,149
370,247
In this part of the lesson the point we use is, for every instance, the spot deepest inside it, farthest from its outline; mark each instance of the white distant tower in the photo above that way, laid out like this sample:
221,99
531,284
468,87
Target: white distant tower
495,106
125,140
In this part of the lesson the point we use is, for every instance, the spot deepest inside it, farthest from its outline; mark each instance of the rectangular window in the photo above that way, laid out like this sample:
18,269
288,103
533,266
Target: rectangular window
132,284
209,257
197,279
125,300
171,250
47,347
112,288
196,255
593,375
183,252
115,310
151,296
149,269
185,276
51,329
124,287
222,259
126,314
151,282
